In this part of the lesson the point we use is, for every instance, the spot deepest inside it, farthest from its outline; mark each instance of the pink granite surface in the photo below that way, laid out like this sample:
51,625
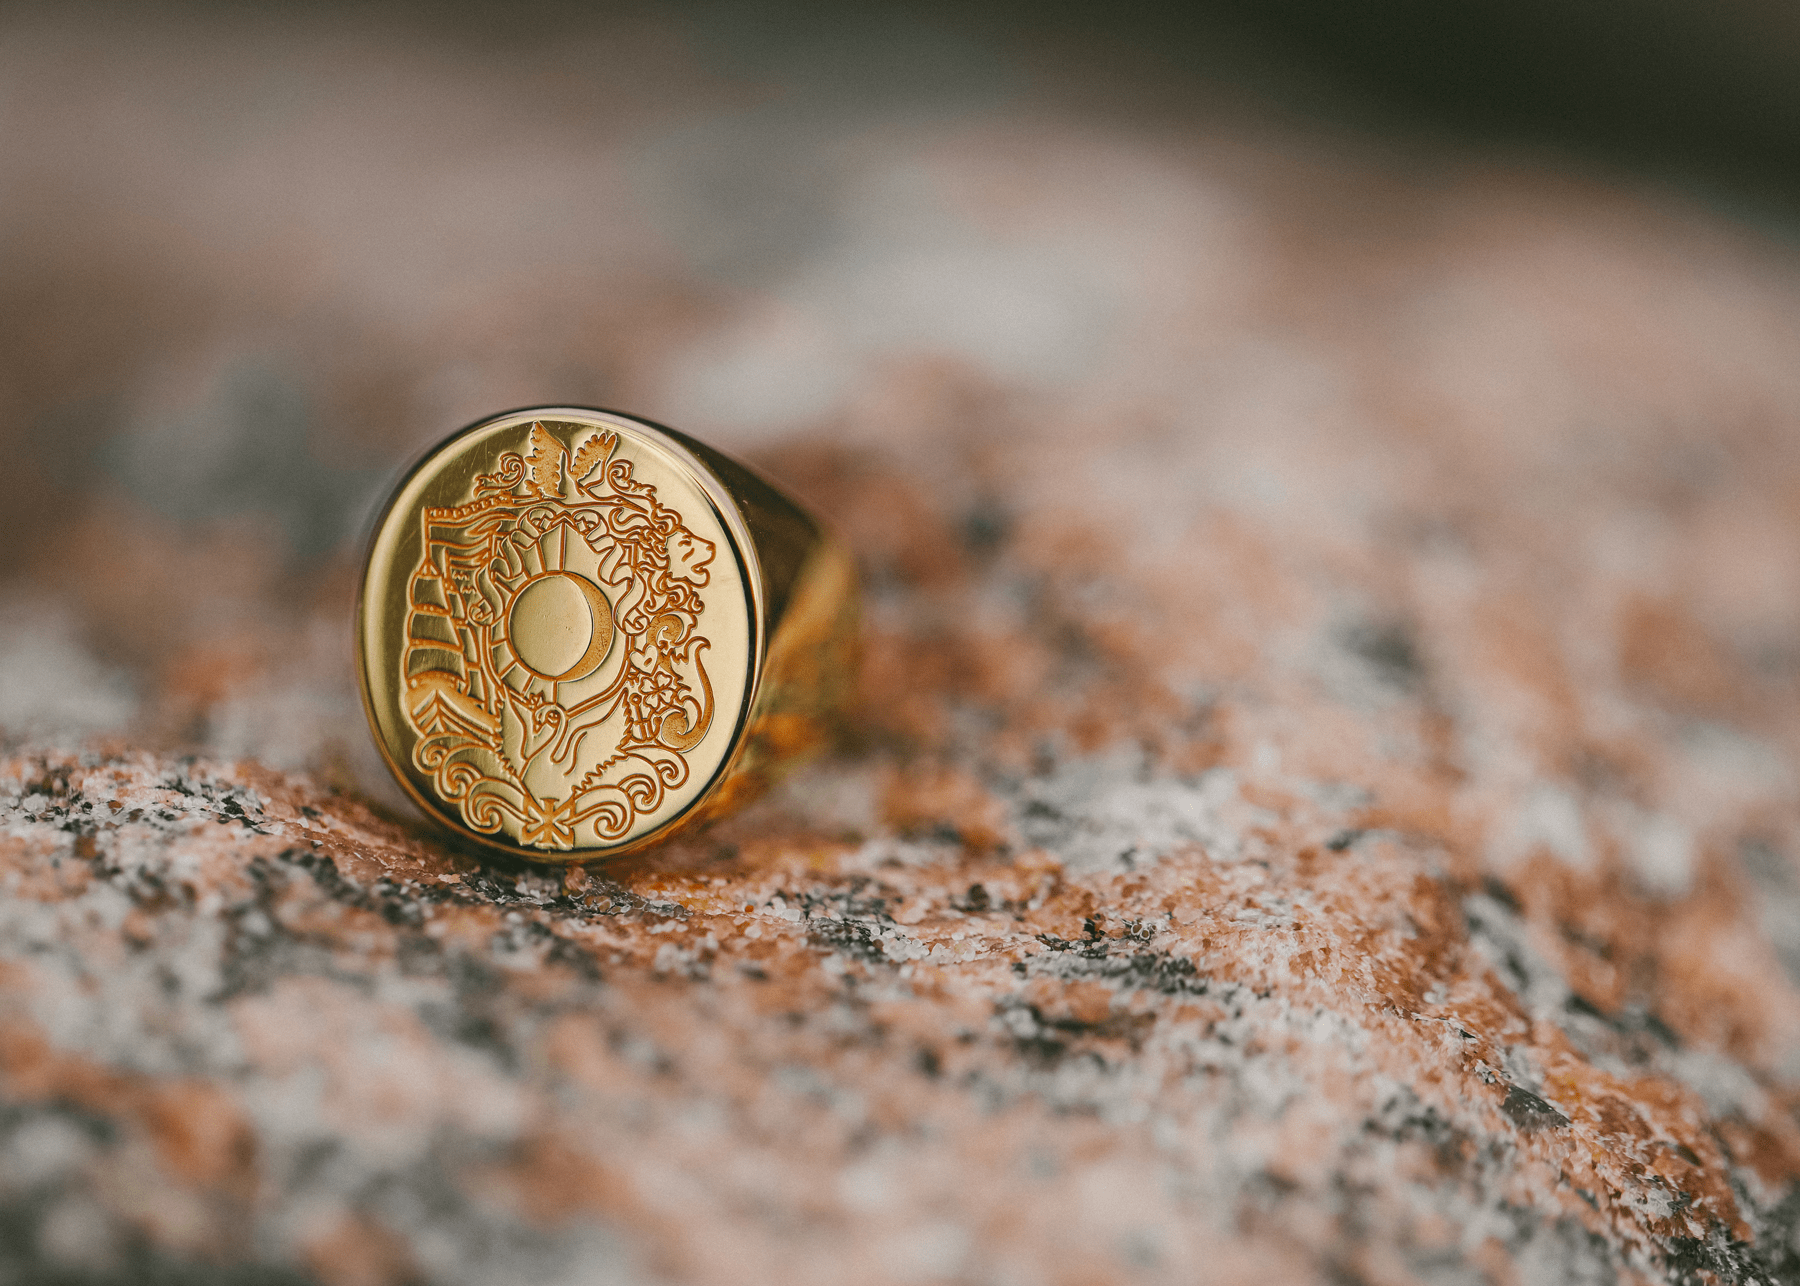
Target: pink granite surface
1322,803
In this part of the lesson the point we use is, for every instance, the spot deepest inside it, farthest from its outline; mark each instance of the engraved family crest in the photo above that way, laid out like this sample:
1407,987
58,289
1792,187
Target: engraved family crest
552,668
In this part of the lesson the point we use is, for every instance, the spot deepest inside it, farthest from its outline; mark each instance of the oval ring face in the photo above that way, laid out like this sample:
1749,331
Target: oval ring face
557,632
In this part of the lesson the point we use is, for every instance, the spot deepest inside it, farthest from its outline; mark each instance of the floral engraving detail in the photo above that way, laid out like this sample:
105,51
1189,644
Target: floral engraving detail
553,666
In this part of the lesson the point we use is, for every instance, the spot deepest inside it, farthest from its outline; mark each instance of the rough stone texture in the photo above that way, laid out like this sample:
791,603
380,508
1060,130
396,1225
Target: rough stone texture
1322,801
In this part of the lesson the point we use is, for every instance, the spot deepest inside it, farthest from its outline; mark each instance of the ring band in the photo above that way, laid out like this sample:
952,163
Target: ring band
580,633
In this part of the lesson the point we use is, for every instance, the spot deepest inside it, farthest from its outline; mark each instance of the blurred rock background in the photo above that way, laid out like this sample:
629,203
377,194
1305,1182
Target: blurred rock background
259,258
1327,482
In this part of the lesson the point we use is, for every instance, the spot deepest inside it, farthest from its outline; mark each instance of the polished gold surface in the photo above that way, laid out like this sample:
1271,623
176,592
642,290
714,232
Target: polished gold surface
580,632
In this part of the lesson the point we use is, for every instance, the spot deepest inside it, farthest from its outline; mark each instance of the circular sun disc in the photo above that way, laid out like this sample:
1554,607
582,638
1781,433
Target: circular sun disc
561,626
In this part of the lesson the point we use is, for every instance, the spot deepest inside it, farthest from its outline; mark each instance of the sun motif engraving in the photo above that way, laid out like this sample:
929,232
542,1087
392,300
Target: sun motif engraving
552,668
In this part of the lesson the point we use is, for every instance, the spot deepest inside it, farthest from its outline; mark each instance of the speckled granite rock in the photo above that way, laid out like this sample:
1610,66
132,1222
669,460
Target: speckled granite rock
1322,801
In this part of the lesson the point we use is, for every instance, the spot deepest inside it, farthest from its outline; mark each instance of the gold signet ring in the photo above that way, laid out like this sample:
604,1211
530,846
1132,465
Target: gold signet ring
580,633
